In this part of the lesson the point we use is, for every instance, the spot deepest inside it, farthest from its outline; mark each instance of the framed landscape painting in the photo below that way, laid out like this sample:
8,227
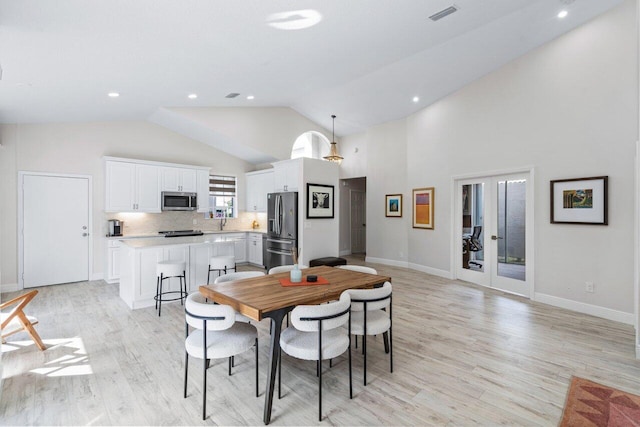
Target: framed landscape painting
580,201
423,207
393,205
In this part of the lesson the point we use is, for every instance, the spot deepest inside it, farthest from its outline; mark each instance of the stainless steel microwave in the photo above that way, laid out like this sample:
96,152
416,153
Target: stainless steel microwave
175,201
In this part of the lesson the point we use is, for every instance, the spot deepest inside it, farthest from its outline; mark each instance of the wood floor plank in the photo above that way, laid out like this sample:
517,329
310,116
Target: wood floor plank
463,355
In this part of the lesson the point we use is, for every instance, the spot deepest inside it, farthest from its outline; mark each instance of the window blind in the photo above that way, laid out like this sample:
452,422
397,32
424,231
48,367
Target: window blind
221,185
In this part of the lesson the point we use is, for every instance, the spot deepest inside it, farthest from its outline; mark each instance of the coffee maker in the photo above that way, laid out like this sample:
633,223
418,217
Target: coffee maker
115,227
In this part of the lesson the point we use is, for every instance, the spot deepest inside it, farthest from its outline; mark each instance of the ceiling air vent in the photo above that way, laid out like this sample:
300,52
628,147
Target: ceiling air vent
444,12
232,95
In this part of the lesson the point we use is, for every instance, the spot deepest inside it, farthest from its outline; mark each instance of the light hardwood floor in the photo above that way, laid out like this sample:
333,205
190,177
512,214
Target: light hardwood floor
464,355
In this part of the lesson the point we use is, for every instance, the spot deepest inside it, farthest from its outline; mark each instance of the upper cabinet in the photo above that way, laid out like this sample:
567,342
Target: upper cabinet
179,179
202,182
286,175
136,185
259,184
132,187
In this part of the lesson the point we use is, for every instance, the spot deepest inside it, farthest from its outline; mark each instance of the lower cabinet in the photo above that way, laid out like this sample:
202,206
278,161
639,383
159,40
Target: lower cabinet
138,278
112,268
254,242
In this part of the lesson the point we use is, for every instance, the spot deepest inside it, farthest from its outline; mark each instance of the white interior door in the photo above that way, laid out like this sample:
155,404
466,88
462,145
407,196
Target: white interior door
358,222
55,229
500,209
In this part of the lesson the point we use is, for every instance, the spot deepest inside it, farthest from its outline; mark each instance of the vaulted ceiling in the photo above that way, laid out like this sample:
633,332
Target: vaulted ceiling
363,60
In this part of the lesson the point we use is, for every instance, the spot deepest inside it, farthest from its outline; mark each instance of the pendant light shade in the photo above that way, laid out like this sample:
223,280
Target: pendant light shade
333,151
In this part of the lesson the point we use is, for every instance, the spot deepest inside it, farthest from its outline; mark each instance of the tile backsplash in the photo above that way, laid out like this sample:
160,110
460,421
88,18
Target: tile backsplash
151,223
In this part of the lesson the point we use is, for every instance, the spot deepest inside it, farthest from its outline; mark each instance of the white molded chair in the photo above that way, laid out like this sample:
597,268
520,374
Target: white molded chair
224,337
237,276
221,264
360,268
368,317
16,321
317,334
284,268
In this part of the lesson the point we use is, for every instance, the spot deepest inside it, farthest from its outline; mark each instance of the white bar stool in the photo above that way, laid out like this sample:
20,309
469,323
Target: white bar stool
167,270
222,264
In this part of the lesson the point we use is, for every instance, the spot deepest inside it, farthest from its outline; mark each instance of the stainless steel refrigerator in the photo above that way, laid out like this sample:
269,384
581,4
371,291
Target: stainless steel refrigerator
282,229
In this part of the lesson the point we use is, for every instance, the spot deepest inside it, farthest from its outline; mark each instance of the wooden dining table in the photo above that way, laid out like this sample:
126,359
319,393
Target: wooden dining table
265,297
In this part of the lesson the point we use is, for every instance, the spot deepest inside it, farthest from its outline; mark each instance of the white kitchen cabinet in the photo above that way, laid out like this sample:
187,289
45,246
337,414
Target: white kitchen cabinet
286,175
240,246
258,185
179,179
113,261
132,187
254,243
203,190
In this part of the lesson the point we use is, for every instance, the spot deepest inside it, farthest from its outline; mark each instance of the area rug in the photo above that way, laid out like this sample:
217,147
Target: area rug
591,404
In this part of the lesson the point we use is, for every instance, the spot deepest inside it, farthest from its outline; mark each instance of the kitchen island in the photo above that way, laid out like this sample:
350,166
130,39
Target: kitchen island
139,257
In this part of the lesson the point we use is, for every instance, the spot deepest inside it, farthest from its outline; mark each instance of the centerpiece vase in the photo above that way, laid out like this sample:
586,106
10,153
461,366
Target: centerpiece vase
295,274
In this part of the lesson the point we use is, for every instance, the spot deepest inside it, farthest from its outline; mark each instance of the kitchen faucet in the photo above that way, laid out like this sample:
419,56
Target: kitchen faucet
223,222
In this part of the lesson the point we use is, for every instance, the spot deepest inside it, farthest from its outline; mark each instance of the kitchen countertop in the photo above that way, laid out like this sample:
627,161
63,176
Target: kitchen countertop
155,241
156,235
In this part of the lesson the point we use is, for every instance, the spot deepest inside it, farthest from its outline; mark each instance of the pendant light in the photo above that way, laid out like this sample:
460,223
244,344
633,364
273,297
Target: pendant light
333,151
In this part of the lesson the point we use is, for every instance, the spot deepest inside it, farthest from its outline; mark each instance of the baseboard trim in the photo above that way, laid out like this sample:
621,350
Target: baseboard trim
637,351
9,287
97,276
433,271
593,310
384,261
345,253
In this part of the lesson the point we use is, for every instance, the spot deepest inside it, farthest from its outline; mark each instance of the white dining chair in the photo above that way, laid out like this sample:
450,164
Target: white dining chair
216,335
369,317
238,276
285,268
317,333
360,268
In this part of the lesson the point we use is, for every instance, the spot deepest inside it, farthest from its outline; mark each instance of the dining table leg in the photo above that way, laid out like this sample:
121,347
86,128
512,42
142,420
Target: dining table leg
276,325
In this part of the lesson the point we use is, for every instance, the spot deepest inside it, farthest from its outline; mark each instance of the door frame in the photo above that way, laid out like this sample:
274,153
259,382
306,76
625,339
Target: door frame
20,229
456,222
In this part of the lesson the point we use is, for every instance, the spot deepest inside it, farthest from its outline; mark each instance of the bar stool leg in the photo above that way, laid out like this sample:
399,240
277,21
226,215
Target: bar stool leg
160,295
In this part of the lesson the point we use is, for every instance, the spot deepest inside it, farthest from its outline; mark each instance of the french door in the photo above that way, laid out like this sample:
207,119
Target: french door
494,232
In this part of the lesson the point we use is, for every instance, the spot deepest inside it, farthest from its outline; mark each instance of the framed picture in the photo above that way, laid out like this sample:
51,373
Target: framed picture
393,205
319,201
423,207
579,201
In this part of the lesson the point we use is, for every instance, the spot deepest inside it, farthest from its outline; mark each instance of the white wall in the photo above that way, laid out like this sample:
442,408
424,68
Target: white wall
319,237
78,148
271,130
569,109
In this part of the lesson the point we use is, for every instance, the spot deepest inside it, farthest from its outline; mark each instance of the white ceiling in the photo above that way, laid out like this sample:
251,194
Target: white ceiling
364,61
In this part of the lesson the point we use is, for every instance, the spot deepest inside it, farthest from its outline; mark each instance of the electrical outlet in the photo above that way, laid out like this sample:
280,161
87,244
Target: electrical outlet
195,221
588,286
401,254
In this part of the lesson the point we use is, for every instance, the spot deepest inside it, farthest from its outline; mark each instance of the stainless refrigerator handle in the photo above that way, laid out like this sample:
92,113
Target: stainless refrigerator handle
279,218
275,214
286,242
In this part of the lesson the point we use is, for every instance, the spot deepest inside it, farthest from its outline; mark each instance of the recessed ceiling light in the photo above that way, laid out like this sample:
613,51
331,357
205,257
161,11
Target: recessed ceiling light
250,97
113,94
193,96
415,99
563,14
294,19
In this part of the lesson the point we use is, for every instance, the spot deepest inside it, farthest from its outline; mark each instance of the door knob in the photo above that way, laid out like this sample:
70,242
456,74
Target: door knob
496,238
84,227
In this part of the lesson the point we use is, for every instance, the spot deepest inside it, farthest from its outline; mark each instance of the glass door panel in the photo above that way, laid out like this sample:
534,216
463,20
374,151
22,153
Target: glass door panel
512,228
